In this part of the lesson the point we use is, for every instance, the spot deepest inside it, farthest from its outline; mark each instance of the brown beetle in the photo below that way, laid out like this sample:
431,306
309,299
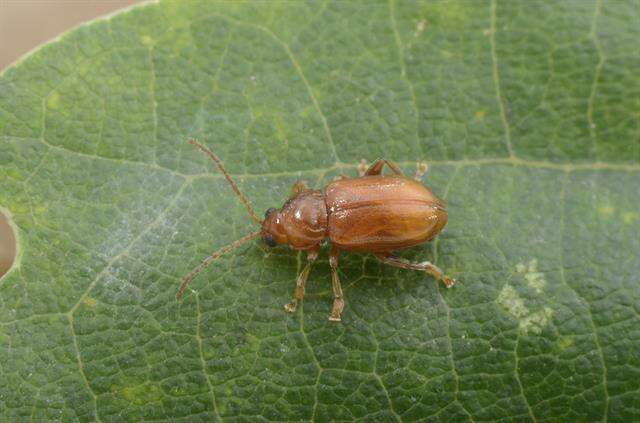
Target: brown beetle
373,213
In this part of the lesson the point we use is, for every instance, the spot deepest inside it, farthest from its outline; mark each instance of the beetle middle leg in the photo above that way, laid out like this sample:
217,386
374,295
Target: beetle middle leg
338,297
425,266
298,294
297,188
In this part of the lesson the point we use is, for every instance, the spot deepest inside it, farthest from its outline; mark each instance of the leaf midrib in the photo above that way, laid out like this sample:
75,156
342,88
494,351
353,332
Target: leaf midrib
506,160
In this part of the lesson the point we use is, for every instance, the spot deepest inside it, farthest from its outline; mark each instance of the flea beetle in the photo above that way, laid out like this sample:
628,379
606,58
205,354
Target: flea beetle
373,213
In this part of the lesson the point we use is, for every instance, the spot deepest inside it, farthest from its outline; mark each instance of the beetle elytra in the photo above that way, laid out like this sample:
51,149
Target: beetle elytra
374,213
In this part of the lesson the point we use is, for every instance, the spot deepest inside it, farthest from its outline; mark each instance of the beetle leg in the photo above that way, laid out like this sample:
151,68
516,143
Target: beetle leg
425,266
376,168
421,169
297,188
298,294
338,297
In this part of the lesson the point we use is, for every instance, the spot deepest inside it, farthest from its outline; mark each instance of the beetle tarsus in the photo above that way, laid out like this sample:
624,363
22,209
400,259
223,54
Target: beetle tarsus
448,282
425,266
298,294
436,272
336,311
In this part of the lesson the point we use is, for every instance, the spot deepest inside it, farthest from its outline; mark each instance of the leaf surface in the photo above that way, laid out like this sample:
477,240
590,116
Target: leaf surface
527,112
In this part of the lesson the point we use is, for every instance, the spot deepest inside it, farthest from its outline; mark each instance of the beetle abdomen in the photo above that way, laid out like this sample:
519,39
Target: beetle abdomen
382,213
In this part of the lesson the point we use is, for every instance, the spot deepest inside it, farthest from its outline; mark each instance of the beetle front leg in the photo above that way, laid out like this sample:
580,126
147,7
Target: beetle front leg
425,266
338,297
298,294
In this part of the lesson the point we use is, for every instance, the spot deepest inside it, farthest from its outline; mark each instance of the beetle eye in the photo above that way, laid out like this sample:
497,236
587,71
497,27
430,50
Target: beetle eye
269,211
268,239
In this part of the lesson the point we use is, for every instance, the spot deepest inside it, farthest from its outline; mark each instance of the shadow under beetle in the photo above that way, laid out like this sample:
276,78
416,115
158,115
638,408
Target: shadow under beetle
372,213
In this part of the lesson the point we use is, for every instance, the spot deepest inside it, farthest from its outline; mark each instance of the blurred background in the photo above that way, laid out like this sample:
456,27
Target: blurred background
24,25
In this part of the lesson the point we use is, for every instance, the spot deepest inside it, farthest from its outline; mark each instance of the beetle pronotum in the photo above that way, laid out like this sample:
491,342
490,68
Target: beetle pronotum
372,213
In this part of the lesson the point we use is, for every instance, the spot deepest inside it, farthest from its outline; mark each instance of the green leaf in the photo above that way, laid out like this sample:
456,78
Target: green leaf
528,113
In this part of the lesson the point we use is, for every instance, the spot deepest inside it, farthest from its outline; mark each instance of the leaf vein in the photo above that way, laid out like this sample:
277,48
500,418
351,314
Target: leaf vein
299,71
202,362
81,368
563,201
456,377
125,250
154,104
496,81
403,71
593,34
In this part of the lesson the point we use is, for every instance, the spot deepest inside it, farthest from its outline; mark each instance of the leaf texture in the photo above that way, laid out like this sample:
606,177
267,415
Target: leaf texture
528,113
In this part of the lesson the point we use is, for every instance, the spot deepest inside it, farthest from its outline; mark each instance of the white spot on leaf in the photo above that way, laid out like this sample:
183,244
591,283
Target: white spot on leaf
536,321
510,300
528,321
534,278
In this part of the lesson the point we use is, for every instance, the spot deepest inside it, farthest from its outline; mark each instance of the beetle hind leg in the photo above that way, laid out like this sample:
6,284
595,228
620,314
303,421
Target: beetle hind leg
338,296
424,266
377,166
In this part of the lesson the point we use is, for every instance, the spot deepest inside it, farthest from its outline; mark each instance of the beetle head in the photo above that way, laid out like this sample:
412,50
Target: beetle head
273,232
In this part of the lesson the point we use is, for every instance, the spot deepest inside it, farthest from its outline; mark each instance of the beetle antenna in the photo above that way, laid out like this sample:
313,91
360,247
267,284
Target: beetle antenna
206,262
235,188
